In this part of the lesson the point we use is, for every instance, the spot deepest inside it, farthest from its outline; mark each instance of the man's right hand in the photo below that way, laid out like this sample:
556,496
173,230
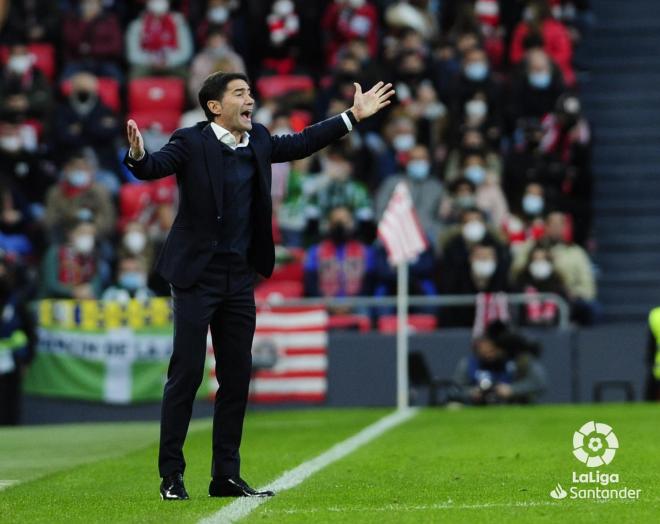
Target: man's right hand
135,141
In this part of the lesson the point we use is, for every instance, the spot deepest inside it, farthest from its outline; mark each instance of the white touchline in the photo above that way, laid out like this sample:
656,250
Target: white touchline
4,484
242,507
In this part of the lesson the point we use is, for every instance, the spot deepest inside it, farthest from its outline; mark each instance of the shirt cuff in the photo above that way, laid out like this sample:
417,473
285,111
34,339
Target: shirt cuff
136,159
347,121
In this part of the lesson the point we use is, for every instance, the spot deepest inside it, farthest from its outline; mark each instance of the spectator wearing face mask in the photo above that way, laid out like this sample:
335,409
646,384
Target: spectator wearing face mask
538,20
425,189
340,265
16,221
488,191
526,222
335,187
17,343
460,197
217,55
85,121
475,78
457,243
539,276
131,282
400,136
536,86
158,42
345,20
504,368
92,41
217,18
483,273
24,164
573,265
135,243
78,196
472,141
24,90
72,269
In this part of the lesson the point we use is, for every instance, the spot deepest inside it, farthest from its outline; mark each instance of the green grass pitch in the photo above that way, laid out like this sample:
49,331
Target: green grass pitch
469,465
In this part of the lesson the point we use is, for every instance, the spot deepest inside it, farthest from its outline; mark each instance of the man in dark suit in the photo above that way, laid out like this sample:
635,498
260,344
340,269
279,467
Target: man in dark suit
220,240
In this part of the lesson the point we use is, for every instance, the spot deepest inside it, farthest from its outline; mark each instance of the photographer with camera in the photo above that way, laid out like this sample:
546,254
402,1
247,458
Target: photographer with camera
504,368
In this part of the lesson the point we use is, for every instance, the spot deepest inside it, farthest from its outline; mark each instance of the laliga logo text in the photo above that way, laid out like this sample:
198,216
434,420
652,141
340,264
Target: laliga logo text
594,444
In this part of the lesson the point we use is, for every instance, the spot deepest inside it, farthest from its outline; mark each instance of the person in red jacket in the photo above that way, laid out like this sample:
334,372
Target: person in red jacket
555,38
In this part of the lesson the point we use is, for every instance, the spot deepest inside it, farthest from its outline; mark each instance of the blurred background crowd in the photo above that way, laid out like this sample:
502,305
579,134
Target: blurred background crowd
486,130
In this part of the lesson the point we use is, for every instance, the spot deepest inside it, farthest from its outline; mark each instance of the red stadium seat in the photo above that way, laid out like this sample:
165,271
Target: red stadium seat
134,199
163,190
167,120
280,85
416,323
352,322
292,270
156,94
44,55
278,290
300,120
108,91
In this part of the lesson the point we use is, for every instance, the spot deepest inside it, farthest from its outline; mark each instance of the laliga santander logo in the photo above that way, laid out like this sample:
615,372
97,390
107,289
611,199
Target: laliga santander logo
595,444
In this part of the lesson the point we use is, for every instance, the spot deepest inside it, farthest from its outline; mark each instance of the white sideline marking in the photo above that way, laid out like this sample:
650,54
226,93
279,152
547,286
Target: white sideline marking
4,484
241,507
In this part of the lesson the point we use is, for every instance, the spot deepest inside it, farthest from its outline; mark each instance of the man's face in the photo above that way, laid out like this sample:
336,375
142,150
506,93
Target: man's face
554,227
234,111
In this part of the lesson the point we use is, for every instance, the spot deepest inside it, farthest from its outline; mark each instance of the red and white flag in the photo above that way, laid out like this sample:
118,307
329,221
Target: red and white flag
289,355
399,229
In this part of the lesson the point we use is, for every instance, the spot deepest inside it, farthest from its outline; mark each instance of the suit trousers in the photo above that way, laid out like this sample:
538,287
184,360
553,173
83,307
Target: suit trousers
222,298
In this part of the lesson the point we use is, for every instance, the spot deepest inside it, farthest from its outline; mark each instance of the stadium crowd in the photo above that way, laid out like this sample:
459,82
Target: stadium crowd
487,132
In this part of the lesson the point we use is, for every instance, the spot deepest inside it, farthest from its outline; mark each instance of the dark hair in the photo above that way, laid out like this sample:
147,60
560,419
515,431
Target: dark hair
214,88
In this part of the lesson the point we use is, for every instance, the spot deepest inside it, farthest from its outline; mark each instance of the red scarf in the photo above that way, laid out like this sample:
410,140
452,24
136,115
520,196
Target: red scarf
158,33
75,269
538,311
341,277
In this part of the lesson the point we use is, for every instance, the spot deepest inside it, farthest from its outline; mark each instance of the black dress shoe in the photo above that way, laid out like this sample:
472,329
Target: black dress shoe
234,487
172,488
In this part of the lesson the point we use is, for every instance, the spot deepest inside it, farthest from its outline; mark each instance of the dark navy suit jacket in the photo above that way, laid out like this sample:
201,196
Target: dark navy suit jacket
192,156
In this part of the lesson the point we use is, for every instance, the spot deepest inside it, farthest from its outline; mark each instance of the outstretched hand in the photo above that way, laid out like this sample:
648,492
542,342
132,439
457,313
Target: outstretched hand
369,103
135,141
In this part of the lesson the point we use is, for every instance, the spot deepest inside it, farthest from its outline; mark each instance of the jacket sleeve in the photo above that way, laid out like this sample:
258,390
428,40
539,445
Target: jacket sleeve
308,141
162,163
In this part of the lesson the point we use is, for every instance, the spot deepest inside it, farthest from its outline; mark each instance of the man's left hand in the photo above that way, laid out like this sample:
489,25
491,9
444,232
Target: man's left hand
369,103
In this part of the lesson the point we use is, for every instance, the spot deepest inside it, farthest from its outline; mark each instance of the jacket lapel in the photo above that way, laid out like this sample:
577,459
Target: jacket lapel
213,158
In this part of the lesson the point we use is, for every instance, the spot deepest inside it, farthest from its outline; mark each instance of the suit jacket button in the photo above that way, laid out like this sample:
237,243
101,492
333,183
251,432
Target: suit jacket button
218,218
214,243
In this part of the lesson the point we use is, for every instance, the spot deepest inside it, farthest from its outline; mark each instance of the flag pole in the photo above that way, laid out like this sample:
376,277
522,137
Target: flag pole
402,336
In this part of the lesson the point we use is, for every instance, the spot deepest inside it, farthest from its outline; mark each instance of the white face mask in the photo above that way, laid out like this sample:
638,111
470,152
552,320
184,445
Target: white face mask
474,231
484,268
158,7
84,244
19,64
403,142
218,14
532,204
476,109
78,177
540,269
135,241
11,143
283,7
